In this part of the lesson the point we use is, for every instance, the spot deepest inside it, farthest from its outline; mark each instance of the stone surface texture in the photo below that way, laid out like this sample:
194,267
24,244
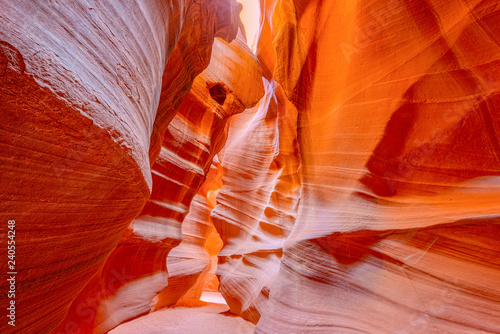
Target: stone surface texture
136,271
398,133
345,178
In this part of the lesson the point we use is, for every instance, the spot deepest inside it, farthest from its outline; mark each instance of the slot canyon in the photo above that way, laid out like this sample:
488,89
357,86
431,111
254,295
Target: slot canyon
262,166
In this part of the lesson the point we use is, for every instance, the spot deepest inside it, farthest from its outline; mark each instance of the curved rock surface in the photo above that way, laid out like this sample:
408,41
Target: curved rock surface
356,187
79,86
190,263
256,206
398,217
191,140
80,89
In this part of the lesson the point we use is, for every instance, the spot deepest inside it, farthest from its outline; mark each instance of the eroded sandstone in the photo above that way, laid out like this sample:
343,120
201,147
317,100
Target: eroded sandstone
355,187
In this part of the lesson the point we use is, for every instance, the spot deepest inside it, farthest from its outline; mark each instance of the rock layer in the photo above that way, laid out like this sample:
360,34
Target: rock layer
80,88
78,98
399,167
256,206
189,263
357,191
191,140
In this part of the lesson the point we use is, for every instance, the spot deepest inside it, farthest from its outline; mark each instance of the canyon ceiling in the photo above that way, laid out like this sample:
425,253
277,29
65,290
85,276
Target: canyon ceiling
346,174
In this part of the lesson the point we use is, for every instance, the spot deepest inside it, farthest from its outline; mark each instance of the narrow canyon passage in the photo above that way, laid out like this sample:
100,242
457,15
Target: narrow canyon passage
208,315
250,166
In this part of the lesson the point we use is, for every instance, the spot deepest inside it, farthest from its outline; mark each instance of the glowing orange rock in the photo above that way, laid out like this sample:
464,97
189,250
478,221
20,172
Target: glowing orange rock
256,206
190,142
189,263
398,137
359,194
78,87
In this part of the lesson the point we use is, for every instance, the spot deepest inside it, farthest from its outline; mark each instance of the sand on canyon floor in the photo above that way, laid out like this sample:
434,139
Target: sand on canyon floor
207,315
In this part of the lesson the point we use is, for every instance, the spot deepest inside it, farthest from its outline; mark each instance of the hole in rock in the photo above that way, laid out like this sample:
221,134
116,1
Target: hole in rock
218,93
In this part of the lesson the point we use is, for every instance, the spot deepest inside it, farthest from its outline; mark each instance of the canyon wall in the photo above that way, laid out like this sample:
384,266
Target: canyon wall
350,167
257,204
136,271
79,91
83,90
398,116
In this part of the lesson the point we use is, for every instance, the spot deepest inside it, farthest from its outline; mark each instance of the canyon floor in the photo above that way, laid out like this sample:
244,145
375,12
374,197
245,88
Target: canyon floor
210,314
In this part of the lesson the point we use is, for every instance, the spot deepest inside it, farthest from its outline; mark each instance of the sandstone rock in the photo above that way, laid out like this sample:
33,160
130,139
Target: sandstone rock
256,206
189,263
357,191
399,166
190,142
190,57
79,89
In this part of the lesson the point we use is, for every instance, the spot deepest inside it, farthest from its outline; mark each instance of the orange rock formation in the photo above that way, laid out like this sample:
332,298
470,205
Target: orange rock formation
350,167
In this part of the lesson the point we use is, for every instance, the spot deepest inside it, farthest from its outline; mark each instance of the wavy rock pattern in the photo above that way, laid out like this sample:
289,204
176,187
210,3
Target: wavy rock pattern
192,139
398,217
192,54
357,191
189,263
79,87
80,92
256,206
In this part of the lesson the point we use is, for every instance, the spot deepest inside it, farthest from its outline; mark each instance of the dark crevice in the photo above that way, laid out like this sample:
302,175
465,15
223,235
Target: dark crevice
218,93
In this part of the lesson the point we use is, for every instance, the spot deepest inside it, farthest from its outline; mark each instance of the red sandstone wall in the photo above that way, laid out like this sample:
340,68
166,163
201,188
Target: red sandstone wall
358,162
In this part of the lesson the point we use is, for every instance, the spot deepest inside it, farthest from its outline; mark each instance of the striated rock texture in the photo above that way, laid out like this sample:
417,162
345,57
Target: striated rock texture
81,84
256,206
189,263
398,132
356,187
192,139
192,54
79,88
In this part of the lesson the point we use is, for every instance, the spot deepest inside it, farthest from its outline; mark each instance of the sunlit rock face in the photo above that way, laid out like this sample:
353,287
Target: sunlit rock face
190,263
398,217
192,54
81,84
79,88
257,204
192,138
350,167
